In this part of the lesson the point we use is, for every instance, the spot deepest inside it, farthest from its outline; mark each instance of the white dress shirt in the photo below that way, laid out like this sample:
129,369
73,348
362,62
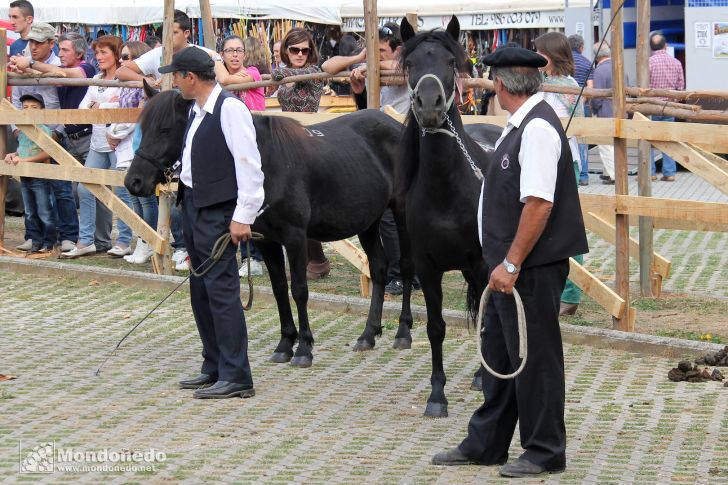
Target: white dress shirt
538,157
239,132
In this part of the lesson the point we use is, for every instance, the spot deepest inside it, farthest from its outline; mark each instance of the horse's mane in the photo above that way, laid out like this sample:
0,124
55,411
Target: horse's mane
157,109
409,158
288,141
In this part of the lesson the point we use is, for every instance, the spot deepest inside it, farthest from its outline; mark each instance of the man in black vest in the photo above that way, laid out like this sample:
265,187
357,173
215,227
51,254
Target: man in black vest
221,190
531,224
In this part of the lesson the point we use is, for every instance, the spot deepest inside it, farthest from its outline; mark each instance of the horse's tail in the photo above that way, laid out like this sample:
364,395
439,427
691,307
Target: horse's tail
472,305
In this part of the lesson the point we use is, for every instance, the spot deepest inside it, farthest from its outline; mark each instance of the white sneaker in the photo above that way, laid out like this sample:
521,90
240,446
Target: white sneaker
67,245
142,253
183,265
77,252
255,268
27,245
118,251
179,255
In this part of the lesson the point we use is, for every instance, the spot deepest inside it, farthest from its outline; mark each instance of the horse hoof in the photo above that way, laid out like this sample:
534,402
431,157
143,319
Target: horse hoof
280,357
362,346
477,384
302,361
436,410
402,343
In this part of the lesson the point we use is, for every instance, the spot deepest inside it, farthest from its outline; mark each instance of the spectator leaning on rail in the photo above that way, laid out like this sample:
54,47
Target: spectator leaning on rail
147,65
298,52
76,140
36,191
666,72
584,76
41,40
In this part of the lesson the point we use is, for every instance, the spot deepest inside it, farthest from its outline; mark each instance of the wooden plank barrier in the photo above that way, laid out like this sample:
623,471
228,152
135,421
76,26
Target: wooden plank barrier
101,192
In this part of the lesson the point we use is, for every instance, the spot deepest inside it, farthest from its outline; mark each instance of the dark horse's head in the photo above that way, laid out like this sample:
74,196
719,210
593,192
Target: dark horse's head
163,124
431,61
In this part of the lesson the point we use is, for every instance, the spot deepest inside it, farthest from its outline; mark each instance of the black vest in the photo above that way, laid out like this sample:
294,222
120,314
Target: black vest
213,166
564,235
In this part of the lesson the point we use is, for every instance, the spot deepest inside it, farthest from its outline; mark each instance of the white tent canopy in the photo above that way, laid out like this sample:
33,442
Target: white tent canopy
473,14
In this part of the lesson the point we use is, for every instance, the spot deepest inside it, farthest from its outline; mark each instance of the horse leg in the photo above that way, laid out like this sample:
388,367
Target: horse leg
275,262
431,281
297,259
477,281
372,245
403,338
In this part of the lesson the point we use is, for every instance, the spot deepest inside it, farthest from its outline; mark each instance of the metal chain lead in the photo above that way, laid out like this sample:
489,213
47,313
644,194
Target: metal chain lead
478,173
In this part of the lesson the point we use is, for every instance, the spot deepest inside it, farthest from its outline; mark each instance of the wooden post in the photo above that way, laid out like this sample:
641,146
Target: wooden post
167,52
371,25
644,181
162,262
207,27
412,19
620,167
3,131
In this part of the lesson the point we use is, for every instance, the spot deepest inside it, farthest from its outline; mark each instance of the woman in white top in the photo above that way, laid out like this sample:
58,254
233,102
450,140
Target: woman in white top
107,49
555,47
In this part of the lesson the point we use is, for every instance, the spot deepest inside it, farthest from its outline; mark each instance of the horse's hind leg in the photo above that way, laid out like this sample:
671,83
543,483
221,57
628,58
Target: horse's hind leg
297,259
403,339
431,286
476,280
275,262
372,245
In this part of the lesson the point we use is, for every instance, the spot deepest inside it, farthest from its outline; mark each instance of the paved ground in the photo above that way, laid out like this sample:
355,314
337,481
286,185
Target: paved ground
352,418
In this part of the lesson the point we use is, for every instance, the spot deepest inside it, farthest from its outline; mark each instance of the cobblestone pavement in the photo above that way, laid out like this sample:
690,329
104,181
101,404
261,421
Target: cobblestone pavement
351,418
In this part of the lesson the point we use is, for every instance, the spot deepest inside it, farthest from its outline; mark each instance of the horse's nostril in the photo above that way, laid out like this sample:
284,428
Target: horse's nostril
439,101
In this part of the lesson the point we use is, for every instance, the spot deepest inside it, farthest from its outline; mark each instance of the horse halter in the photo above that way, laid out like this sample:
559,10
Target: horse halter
448,104
413,93
167,172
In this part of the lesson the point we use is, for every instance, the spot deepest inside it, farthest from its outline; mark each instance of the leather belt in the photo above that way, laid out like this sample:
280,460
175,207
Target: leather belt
79,134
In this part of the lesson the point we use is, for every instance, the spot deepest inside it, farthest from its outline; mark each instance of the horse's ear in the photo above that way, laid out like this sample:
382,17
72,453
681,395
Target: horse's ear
148,90
453,28
406,30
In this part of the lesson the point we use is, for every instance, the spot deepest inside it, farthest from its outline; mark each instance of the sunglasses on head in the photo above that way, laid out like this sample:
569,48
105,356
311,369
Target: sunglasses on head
297,50
125,57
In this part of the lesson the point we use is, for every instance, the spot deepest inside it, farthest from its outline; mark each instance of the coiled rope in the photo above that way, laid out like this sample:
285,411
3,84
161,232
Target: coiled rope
522,334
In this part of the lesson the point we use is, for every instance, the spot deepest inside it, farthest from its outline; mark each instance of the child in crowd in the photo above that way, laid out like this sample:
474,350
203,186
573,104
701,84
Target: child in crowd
36,192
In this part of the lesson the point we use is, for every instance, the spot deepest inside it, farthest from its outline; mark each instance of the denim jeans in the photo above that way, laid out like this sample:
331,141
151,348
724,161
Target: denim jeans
669,168
584,156
254,252
64,209
147,208
38,209
87,201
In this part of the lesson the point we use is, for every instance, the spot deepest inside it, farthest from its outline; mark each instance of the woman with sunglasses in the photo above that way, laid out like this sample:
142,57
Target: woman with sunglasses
121,137
299,54
107,50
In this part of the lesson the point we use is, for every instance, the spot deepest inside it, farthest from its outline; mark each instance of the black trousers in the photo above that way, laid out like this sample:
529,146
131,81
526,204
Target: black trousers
534,399
215,297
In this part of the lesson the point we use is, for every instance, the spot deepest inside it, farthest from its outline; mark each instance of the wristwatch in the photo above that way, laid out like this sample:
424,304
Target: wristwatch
31,62
510,267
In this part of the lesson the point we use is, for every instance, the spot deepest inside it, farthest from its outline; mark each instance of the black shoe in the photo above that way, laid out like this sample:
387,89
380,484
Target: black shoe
394,287
102,249
40,248
604,177
608,181
199,382
224,390
451,457
522,468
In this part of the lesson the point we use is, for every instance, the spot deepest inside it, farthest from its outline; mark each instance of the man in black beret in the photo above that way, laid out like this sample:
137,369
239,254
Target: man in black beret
221,191
531,224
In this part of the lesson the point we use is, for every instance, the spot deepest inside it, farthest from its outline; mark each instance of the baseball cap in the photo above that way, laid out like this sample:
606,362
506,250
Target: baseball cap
35,97
190,59
41,32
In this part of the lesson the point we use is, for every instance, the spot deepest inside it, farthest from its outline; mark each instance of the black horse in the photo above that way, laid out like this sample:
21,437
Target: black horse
436,185
328,182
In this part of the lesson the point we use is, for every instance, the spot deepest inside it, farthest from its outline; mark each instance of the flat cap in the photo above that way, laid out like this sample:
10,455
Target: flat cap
515,57
191,59
41,32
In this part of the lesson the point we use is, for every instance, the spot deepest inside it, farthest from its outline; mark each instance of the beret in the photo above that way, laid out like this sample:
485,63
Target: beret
514,57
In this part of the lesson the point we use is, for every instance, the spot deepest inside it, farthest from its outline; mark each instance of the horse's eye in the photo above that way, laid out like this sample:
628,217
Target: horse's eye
452,62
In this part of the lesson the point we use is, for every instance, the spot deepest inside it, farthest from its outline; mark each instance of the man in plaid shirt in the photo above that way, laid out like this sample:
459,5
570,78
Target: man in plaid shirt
666,72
